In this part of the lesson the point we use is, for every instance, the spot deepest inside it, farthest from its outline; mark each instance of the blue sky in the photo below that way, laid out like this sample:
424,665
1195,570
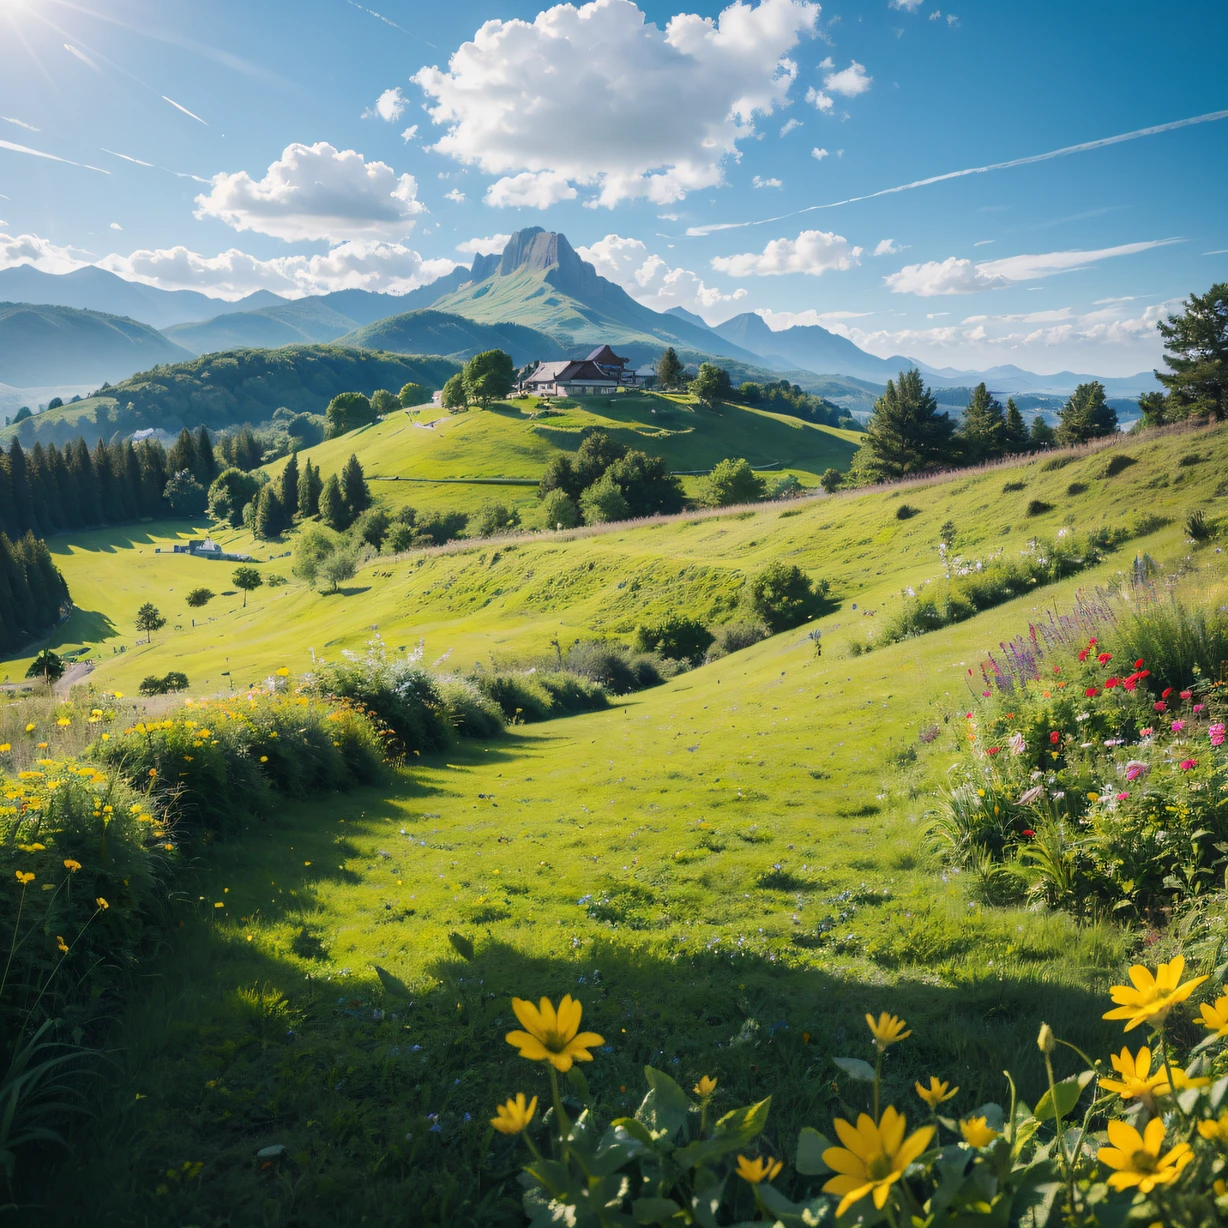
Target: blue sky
312,146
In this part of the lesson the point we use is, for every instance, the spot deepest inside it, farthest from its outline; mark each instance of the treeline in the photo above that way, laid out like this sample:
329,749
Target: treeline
33,594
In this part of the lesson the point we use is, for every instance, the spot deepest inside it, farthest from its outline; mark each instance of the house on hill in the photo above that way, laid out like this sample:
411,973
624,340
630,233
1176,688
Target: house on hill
600,373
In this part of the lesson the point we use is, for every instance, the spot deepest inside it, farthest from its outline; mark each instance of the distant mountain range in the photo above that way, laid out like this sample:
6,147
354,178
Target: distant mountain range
536,299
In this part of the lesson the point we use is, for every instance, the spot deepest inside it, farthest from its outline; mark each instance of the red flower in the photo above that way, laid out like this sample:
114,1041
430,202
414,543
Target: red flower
1055,737
1092,643
1091,692
1104,658
1110,683
1027,831
1130,683
1187,694
1164,694
1139,663
993,750
1159,705
1083,655
1186,764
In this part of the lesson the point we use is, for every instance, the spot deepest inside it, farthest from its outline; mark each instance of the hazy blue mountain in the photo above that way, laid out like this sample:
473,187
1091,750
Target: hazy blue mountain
438,332
296,323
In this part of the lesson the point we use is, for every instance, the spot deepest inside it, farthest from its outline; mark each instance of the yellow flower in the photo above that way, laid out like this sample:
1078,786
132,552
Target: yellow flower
705,1087
71,866
977,1132
759,1169
887,1030
1136,1077
513,1116
1215,1131
1046,1041
30,727
33,848
1214,1016
4,748
553,1036
937,1093
283,672
63,722
101,904
1152,996
873,1157
59,942
1136,1157
24,878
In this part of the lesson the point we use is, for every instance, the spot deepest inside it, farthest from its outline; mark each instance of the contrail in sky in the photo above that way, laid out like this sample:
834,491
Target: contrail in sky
8,119
184,109
152,165
38,153
393,24
1210,117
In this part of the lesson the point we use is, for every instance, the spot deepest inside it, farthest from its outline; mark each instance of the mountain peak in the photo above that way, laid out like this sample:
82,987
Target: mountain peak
538,249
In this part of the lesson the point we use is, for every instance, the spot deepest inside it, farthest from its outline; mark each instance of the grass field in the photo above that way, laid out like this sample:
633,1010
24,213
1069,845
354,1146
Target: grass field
727,870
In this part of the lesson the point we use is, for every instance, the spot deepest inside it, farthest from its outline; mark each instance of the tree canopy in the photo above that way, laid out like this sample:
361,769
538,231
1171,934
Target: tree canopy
906,433
1196,345
1086,415
487,377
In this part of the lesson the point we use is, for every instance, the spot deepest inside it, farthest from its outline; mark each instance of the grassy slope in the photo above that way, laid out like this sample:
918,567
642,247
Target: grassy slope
722,818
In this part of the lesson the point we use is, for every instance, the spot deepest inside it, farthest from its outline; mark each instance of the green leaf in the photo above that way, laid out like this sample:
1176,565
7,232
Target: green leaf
461,945
745,1124
855,1068
1219,1089
551,1175
665,1108
579,1084
393,985
633,1128
1067,1096
810,1147
654,1210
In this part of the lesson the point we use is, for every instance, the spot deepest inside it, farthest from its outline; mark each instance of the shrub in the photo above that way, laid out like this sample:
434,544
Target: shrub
1038,507
470,712
559,510
733,637
275,579
1077,488
613,666
1181,644
200,596
675,636
1009,487
1119,464
519,696
492,519
906,511
1196,527
831,480
783,596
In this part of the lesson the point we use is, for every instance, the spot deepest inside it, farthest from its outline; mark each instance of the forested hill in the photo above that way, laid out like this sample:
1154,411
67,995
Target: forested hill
232,388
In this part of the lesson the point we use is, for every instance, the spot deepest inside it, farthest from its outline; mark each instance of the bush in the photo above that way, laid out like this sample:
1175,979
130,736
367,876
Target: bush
613,666
470,712
519,696
151,684
733,637
906,511
783,596
275,579
675,636
1182,645
1196,527
1009,487
559,510
492,519
1038,507
200,596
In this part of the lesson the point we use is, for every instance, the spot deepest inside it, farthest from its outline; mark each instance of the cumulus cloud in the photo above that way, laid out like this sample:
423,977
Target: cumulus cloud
758,182
650,280
848,82
813,252
358,265
597,96
529,190
956,276
777,320
820,101
484,247
389,106
887,247
789,125
40,253
909,6
455,195
316,192
818,154
116,226
409,133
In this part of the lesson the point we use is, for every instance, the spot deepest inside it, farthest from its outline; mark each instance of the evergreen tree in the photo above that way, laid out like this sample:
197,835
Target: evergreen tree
23,496
288,486
1016,432
670,373
8,513
1042,433
183,454
333,510
85,480
354,488
1197,356
1157,410
152,457
983,429
906,433
271,518
206,467
1086,415
310,485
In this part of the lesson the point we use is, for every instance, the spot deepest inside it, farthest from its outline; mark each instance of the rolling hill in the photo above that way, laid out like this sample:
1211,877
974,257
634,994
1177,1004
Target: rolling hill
437,332
42,344
302,322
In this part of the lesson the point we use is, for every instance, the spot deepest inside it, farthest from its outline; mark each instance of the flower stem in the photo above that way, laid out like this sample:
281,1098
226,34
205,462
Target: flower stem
564,1123
13,945
1061,1141
878,1072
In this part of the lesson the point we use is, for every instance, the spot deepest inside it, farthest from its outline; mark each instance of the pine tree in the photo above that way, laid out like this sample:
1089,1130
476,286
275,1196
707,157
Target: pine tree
354,488
670,372
310,484
8,512
271,518
1197,356
206,467
85,480
1042,433
288,485
23,497
1016,432
906,433
1086,415
183,455
333,510
983,429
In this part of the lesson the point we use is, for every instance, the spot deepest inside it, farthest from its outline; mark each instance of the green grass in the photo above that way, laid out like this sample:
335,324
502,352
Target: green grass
715,867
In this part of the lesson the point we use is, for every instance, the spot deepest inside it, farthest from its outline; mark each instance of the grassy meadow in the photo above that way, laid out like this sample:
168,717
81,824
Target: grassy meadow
727,870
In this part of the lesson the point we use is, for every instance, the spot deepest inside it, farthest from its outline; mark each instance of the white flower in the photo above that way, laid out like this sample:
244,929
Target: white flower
1017,743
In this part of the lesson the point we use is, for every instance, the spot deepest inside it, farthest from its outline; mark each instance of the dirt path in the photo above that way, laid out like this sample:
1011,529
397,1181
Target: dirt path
73,674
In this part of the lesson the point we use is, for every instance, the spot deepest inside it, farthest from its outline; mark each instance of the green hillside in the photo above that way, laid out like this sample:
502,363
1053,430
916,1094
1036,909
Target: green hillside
437,332
297,323
41,344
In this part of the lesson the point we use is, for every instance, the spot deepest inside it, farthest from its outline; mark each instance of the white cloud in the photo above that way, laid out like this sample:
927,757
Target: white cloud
116,226
410,133
40,253
827,62
984,242
8,119
887,247
848,82
758,182
813,252
777,320
788,127
359,265
389,106
936,15
909,6
530,190
80,55
650,280
484,247
316,192
956,276
820,101
456,195
952,20
597,96
818,154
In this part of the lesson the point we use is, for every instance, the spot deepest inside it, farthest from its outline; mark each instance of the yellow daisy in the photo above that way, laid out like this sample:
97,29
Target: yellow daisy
1152,995
937,1093
757,1170
887,1029
1136,1159
1136,1080
512,1117
553,1036
873,1157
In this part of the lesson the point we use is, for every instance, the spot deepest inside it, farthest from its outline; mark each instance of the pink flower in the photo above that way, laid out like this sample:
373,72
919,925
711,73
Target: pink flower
1186,764
1216,733
1083,655
1187,694
1178,726
1121,797
1146,733
985,694
1160,706
1199,707
1135,769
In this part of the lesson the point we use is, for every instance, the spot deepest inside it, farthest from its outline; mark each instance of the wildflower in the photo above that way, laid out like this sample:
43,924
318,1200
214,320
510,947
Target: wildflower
1029,833
1082,654
5,748
977,1132
1055,737
63,722
1187,764
1110,683
1017,742
1215,1131
993,750
1216,733
1137,1080
1136,1157
1187,694
1104,657
283,672
1121,797
1153,995
705,1087
1215,1015
1146,733
1135,769
61,945
553,1036
71,866
759,1169
937,1093
873,1157
101,904
1046,1040
1160,706
24,877
1178,726
30,727
1164,694
515,1115
887,1029
1091,692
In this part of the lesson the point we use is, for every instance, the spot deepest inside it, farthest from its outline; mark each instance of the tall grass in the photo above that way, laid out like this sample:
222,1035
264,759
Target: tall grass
1181,644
